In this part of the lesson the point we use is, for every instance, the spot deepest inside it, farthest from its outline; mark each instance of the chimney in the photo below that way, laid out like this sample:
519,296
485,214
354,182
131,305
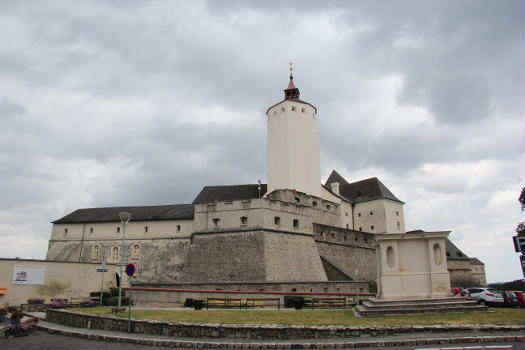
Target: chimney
335,187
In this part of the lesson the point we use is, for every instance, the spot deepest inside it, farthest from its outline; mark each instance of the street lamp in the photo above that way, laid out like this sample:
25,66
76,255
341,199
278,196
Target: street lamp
124,218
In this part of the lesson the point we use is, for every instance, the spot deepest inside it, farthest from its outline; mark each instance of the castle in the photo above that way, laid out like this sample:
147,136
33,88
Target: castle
292,230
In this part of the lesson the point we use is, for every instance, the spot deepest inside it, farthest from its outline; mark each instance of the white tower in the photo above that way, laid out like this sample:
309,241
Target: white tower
293,160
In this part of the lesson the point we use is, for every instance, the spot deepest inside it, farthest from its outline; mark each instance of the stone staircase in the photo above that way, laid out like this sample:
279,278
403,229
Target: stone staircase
375,307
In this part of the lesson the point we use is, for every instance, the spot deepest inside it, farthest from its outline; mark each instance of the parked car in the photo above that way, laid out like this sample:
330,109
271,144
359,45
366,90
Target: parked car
519,295
486,296
509,299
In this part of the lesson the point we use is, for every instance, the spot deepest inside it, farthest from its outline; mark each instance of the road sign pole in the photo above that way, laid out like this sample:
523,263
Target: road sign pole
129,306
102,279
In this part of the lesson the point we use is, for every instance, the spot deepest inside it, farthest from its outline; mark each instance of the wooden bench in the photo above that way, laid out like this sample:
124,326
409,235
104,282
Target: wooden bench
242,303
329,303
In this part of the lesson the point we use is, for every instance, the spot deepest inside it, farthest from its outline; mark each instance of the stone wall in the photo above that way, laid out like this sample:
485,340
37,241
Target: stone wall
339,247
176,294
260,255
180,330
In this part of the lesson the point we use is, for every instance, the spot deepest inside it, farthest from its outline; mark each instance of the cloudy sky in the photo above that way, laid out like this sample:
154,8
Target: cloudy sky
112,103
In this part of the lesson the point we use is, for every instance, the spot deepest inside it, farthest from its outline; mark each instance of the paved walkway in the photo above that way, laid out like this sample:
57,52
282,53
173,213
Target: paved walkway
417,338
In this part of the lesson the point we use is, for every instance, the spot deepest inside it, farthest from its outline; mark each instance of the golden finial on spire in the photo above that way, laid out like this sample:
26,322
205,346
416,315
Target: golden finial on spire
291,67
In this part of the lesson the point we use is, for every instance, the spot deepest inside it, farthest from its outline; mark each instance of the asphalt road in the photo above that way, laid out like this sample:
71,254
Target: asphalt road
43,341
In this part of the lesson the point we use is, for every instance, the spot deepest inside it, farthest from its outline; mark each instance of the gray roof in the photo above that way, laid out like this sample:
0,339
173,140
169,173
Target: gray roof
142,213
210,194
453,252
475,261
361,191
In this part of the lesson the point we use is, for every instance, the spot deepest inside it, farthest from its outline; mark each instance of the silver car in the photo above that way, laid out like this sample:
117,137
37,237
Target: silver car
486,296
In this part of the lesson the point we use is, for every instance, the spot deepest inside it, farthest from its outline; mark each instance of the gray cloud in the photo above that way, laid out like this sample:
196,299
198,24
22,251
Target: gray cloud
110,103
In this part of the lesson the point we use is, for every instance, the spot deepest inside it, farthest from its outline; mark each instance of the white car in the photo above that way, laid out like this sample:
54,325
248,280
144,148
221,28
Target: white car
486,296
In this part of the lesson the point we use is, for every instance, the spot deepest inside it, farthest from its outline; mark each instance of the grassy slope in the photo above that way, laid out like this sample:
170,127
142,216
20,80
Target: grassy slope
496,316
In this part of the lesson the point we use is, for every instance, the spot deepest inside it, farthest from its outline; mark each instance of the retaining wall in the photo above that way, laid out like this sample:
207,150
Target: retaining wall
109,323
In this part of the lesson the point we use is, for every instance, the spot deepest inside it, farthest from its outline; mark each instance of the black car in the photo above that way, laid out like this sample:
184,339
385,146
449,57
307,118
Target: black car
509,299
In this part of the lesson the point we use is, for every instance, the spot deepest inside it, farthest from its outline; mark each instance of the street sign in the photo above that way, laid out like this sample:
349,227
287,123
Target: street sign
519,243
522,260
102,270
130,269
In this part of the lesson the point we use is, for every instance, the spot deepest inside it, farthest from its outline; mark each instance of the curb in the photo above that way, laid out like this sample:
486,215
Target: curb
302,345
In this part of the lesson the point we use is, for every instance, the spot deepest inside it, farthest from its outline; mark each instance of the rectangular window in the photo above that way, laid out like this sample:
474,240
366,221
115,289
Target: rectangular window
277,220
244,220
91,230
296,223
65,231
398,226
397,213
371,212
216,222
359,214
145,229
178,228
118,229
372,227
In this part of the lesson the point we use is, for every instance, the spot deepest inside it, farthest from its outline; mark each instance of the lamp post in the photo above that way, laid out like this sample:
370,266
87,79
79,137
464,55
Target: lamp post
124,218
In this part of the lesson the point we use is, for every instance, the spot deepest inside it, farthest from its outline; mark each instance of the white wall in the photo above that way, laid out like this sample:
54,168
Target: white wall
293,160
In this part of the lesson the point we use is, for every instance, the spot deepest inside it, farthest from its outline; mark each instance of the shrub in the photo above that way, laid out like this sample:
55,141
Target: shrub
289,300
372,286
114,292
59,302
89,303
104,294
17,315
35,301
113,301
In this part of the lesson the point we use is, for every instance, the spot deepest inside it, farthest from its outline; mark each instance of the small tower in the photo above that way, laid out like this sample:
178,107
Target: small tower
293,160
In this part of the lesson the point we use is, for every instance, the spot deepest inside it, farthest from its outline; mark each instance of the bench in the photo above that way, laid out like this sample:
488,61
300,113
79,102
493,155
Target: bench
242,303
329,303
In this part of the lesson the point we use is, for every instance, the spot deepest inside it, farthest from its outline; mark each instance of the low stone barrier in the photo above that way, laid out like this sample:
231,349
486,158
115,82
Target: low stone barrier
182,330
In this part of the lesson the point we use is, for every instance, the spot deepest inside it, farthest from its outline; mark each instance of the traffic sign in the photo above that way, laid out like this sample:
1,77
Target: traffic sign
130,269
102,270
522,260
519,243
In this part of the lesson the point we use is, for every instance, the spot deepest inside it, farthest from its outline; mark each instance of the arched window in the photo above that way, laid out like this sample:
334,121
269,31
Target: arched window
96,251
114,253
136,251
